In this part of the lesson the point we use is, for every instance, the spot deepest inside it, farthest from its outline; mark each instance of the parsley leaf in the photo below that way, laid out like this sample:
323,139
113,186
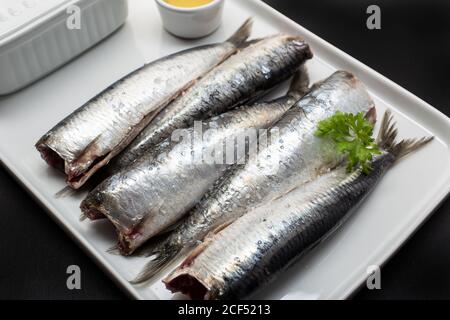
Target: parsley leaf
352,135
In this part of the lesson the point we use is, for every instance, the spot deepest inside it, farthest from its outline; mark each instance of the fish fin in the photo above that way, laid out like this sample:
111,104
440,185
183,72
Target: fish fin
149,247
371,115
388,134
154,267
164,254
300,83
249,43
255,97
65,192
114,250
252,99
242,34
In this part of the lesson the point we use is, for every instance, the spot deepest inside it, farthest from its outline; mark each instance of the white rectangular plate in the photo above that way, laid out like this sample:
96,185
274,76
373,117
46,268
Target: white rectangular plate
402,201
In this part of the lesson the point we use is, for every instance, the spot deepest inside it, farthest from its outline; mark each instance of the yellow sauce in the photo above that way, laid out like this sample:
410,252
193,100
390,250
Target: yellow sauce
188,3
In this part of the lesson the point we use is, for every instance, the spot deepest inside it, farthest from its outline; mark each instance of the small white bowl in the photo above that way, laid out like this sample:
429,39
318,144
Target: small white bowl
193,22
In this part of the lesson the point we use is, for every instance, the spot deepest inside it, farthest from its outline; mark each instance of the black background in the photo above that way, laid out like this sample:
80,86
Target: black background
412,49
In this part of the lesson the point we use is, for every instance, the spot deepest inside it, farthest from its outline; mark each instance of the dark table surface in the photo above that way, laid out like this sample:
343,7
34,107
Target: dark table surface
412,49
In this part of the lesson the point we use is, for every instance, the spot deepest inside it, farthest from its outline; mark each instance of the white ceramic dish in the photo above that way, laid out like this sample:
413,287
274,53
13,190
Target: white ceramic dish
193,22
402,201
35,38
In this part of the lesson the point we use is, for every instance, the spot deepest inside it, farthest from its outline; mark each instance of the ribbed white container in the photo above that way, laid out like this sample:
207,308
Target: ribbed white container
35,38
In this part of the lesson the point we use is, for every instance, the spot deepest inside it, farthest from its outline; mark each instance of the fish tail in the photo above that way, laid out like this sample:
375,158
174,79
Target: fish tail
114,250
151,247
300,83
242,34
371,115
387,139
162,257
65,192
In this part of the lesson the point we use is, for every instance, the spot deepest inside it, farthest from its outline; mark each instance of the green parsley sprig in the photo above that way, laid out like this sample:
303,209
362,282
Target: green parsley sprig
352,135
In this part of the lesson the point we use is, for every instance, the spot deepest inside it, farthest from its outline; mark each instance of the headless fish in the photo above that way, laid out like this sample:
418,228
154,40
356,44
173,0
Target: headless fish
159,188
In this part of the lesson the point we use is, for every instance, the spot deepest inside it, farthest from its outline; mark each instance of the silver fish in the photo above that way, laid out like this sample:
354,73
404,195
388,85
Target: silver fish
91,136
252,251
160,187
298,156
247,74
